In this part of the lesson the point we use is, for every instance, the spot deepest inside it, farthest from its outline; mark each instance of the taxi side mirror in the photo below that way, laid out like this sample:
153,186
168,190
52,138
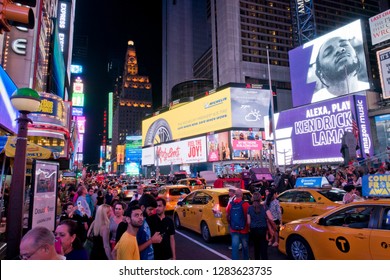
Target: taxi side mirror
322,222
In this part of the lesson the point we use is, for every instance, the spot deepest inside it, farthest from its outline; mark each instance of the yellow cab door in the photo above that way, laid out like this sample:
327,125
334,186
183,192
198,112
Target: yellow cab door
185,211
345,234
287,205
380,238
305,205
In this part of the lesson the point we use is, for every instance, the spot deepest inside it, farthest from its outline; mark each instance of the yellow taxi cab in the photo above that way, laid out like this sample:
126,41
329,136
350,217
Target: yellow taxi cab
172,194
312,196
192,183
204,211
358,230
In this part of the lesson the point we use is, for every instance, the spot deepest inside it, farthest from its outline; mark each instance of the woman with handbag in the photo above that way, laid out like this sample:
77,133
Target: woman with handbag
272,203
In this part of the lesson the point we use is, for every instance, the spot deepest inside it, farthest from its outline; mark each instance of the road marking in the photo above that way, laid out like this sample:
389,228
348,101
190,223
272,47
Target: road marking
204,246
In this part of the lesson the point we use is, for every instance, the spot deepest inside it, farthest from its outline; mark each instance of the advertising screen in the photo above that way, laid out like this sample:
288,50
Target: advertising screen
383,57
380,27
226,108
329,66
316,130
133,149
78,99
218,146
8,113
246,144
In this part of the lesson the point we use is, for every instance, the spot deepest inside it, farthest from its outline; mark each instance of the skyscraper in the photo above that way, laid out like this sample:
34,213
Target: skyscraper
227,41
132,100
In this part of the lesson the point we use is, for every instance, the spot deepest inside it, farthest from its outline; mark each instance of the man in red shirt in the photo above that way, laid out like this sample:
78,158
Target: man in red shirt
237,212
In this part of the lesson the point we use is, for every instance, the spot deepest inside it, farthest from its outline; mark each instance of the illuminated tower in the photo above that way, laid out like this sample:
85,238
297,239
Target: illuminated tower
135,101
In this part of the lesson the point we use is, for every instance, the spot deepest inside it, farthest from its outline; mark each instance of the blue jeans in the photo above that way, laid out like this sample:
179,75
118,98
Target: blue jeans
238,238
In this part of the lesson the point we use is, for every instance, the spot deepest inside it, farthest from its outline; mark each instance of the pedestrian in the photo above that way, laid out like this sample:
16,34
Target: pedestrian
71,245
237,212
145,240
257,222
273,206
127,246
100,232
115,220
139,193
166,250
39,244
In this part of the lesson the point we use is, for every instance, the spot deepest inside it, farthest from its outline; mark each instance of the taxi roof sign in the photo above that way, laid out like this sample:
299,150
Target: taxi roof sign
312,182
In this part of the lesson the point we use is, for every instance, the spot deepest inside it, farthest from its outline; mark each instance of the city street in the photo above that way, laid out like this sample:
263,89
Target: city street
190,246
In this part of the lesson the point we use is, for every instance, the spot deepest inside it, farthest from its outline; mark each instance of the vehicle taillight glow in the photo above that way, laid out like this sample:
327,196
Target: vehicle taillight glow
217,211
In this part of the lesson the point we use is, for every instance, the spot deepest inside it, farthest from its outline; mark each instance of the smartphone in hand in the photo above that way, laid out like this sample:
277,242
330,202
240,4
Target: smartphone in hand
58,245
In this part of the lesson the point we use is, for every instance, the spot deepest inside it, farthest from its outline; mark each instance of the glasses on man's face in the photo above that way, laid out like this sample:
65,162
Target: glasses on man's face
29,255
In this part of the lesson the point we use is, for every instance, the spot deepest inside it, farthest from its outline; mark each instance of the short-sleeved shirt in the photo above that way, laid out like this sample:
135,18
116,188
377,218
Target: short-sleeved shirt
143,235
258,220
162,251
127,247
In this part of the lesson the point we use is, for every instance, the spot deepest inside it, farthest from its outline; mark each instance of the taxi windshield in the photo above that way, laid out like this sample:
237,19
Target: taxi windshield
179,191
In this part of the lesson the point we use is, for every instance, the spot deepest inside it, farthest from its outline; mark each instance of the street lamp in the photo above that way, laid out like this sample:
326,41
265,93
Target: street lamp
25,100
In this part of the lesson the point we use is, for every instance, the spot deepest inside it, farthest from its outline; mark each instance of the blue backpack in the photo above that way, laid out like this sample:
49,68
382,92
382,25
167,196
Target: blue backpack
237,219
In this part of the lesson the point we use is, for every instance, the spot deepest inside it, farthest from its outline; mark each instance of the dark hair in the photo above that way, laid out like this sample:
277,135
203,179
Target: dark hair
147,200
163,201
256,199
270,197
65,206
73,229
349,187
130,210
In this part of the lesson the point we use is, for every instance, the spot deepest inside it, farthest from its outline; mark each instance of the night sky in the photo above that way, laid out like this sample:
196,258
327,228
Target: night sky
109,25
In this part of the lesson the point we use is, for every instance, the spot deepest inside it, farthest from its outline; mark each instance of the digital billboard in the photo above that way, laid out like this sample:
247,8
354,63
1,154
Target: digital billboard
8,113
329,66
383,57
133,149
218,146
226,108
246,144
78,99
180,152
316,130
380,27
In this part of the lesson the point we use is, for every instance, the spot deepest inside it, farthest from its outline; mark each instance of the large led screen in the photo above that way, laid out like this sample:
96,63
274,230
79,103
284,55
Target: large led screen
226,108
133,149
246,144
329,66
218,146
316,130
8,113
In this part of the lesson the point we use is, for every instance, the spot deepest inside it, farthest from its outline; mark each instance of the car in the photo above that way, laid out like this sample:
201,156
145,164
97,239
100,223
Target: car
204,211
172,194
304,202
128,192
192,183
358,230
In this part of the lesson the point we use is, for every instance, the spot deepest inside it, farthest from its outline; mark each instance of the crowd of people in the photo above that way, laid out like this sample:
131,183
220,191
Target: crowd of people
95,213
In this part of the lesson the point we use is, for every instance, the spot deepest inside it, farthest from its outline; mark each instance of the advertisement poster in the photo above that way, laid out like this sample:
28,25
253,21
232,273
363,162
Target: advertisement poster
380,27
316,130
383,57
329,66
44,198
377,185
246,144
218,147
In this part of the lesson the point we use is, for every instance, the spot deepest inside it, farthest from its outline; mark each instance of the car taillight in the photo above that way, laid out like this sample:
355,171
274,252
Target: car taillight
217,211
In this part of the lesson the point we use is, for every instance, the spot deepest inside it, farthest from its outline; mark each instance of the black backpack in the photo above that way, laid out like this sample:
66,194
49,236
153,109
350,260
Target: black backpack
237,219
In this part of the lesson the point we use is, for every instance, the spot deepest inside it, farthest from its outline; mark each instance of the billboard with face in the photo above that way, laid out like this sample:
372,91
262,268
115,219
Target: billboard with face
316,130
329,66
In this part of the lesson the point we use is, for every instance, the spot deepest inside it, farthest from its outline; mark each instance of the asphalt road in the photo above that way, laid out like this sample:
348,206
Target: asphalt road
191,246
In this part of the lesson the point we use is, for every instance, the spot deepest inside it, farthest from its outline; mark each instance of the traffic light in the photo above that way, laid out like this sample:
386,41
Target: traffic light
12,13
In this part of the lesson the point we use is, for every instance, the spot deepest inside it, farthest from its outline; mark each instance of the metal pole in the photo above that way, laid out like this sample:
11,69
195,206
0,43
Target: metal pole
16,195
272,110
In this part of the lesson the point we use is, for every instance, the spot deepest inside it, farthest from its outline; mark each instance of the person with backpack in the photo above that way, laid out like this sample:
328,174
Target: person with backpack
237,212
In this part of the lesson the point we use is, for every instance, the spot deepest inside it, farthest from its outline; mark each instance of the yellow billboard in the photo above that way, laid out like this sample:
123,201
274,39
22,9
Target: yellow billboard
210,113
